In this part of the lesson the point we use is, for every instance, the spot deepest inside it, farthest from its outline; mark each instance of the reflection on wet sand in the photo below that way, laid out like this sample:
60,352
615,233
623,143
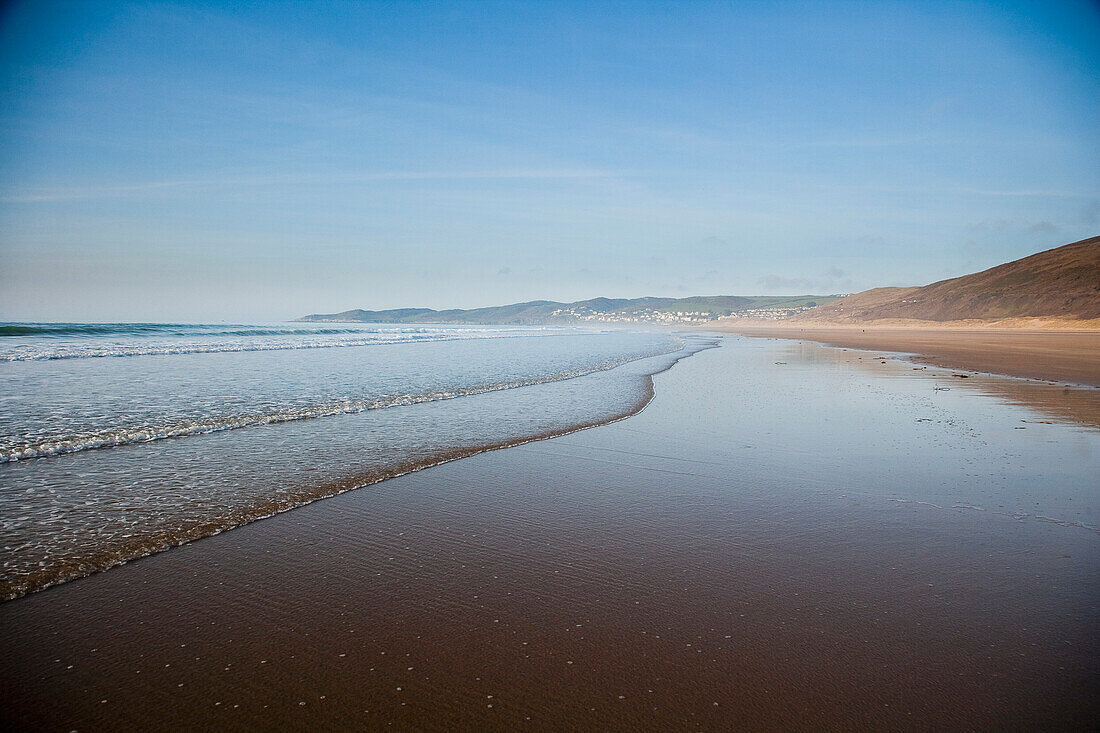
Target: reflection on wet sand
1058,402
1072,357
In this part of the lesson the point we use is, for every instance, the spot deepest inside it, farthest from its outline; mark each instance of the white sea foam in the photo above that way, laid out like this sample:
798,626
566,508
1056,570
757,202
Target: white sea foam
68,516
18,450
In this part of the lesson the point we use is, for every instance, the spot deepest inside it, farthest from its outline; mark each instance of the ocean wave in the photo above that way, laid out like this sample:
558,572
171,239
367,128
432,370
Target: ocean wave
208,329
40,560
172,329
48,352
129,435
88,329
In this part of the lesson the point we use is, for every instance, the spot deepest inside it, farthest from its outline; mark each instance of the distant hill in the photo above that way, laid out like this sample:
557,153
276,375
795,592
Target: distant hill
695,308
1061,283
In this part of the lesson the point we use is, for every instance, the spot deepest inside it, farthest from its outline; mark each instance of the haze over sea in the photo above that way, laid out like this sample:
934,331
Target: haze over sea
122,439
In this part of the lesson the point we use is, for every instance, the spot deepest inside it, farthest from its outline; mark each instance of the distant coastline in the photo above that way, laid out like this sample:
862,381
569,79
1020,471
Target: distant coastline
660,311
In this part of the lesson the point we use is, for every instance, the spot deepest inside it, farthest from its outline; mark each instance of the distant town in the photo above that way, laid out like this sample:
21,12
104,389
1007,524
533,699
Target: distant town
650,315
646,315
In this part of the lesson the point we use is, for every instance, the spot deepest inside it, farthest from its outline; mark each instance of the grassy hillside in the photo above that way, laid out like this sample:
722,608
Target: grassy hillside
1059,283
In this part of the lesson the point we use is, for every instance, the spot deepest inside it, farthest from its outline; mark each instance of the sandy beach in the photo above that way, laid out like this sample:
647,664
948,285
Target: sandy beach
789,536
1055,355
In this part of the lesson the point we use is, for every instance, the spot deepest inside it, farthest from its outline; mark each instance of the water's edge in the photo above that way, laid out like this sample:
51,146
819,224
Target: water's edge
113,437
15,588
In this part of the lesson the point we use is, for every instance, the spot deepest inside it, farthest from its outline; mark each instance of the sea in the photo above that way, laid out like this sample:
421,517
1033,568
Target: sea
122,440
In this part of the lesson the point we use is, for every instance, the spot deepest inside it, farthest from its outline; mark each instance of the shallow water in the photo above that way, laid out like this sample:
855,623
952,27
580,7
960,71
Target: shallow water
138,439
788,537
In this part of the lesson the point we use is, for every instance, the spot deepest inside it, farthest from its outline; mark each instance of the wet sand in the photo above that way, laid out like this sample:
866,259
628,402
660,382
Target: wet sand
788,537
1059,356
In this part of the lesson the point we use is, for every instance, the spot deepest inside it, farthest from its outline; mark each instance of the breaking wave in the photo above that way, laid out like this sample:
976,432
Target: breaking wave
50,341
120,436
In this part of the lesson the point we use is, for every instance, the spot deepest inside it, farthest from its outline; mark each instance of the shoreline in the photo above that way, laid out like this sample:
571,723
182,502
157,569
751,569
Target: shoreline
18,583
1070,357
716,557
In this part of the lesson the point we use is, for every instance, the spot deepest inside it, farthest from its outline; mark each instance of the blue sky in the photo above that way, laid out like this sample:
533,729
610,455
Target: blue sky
257,161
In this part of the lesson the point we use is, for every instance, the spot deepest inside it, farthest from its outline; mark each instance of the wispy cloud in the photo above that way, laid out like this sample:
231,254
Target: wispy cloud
865,142
34,195
1024,192
74,193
